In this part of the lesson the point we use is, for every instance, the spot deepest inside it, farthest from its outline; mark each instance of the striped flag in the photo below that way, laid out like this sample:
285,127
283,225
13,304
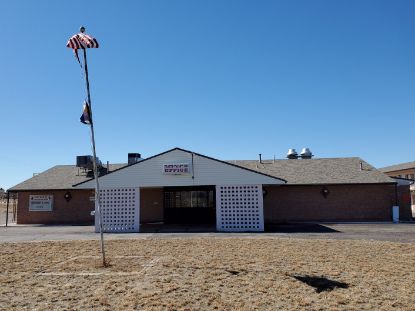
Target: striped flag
81,41
86,117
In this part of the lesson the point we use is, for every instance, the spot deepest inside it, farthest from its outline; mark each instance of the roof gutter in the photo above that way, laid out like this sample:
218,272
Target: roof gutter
64,189
340,184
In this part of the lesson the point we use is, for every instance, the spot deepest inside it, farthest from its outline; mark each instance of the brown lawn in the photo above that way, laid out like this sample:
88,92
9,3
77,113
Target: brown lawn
223,273
2,214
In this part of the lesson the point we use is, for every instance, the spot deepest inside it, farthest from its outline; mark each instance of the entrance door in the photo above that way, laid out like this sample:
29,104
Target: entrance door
189,205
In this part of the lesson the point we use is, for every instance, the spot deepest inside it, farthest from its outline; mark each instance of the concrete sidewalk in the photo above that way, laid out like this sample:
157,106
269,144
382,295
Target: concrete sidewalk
404,232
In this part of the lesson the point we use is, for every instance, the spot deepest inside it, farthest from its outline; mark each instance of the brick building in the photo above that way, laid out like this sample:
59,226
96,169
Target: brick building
404,174
180,186
402,170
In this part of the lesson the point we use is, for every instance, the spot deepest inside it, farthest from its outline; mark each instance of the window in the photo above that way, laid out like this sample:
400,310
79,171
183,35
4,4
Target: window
189,199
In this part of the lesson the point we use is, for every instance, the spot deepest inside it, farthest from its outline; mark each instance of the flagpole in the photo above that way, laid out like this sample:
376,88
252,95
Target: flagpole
97,200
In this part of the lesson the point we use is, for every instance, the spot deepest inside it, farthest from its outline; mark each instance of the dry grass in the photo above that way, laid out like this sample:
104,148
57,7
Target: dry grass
3,212
3,207
206,274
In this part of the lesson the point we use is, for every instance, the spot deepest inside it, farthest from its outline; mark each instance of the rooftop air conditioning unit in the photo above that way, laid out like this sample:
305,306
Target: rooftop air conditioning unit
87,162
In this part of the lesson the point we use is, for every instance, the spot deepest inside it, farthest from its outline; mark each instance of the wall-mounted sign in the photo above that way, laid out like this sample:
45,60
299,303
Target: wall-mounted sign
40,203
176,169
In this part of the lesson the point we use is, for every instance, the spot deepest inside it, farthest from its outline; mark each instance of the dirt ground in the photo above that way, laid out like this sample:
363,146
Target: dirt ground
208,274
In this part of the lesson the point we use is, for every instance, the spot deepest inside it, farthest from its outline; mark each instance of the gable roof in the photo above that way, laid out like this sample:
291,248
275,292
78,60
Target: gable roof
293,172
226,163
319,171
59,177
398,167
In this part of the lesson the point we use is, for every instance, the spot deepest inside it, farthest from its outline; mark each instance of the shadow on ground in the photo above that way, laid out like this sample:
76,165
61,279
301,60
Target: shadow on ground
176,228
321,284
275,228
298,228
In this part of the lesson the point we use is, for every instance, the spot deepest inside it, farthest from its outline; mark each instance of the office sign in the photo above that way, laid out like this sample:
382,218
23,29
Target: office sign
40,203
176,169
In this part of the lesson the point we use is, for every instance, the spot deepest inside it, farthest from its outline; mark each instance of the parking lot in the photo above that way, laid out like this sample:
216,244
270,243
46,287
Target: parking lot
403,232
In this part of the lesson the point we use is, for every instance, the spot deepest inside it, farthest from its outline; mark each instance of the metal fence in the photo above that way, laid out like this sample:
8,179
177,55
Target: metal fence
9,217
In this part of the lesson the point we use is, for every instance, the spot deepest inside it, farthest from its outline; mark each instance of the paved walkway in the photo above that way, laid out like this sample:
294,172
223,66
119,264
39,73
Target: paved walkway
404,232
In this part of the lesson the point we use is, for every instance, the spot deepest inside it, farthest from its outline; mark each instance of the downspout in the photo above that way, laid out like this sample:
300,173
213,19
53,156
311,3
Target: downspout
396,194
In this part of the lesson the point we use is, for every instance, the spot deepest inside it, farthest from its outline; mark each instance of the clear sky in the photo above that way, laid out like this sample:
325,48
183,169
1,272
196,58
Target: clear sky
228,79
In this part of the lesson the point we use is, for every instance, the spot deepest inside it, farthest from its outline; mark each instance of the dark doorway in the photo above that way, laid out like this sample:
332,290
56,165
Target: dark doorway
190,205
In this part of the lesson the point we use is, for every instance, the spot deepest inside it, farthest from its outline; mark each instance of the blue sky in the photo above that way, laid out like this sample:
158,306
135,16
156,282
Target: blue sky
229,79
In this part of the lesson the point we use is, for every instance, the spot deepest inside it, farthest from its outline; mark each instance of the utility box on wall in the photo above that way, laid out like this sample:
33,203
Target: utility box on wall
395,214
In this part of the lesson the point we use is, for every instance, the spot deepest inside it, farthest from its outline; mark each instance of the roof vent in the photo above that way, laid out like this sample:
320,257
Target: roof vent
292,154
134,158
306,154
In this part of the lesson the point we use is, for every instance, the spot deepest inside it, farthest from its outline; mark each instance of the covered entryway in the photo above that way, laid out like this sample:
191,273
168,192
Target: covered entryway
183,187
189,205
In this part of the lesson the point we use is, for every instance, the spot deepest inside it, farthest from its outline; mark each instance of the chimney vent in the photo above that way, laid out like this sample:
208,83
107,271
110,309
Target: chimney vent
306,153
134,158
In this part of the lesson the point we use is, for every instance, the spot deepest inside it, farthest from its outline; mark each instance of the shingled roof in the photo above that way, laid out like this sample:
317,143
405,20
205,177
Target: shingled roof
57,178
398,167
319,171
295,172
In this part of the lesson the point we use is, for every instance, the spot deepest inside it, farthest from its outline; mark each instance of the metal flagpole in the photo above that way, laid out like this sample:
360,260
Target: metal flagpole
97,201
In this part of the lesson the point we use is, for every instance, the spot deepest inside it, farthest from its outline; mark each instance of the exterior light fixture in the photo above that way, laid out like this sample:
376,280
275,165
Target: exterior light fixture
68,196
325,192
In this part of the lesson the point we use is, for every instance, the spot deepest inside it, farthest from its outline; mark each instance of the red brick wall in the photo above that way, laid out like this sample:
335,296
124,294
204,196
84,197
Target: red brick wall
344,203
281,204
404,202
76,211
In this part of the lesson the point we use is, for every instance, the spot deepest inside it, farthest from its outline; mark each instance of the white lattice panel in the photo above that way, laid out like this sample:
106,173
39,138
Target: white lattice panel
239,208
120,210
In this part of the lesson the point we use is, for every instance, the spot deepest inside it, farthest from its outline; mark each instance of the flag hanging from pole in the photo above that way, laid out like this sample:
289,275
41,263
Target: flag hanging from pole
86,117
81,41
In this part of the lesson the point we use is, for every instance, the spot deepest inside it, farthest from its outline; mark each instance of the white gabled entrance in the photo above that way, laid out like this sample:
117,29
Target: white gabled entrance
239,204
120,210
239,208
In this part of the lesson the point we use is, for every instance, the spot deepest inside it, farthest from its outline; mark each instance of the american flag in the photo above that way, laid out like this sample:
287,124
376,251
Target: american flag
81,41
